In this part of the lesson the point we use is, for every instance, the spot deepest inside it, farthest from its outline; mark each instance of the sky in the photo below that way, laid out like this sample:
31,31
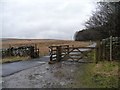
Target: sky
44,19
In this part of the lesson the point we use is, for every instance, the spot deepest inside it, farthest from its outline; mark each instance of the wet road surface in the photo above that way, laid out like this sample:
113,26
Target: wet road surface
58,75
11,68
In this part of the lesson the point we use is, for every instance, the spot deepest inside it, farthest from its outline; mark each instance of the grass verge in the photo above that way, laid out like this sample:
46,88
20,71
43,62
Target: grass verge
105,74
13,59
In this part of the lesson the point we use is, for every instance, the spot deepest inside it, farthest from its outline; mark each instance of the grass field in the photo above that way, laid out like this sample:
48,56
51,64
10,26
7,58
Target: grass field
42,45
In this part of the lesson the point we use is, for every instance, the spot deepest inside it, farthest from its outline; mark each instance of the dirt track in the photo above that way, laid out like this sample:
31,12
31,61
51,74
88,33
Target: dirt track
45,76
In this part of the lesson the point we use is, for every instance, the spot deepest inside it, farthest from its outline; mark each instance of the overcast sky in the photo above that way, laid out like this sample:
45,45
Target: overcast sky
44,19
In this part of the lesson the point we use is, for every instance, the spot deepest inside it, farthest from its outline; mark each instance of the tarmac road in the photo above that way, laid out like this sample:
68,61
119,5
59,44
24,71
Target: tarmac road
11,68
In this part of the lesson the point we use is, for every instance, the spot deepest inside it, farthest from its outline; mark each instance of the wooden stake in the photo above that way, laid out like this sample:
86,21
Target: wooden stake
110,48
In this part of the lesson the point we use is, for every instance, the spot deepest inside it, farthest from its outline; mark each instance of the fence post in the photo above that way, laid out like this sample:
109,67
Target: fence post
110,48
103,50
68,49
98,55
67,52
51,53
9,50
106,54
35,45
58,57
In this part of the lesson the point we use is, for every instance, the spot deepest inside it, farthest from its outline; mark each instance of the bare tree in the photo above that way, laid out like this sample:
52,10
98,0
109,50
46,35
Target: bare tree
106,18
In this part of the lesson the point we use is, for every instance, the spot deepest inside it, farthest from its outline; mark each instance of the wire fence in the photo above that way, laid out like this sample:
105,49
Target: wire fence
110,48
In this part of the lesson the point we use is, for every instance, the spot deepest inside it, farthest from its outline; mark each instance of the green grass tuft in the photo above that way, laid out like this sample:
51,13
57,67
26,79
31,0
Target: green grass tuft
13,59
101,75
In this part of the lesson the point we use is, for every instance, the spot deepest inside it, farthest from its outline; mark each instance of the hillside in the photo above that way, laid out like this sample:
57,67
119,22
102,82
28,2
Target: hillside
42,44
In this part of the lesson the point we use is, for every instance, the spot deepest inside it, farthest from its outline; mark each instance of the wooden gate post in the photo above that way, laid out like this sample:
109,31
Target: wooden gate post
9,50
68,49
58,55
50,53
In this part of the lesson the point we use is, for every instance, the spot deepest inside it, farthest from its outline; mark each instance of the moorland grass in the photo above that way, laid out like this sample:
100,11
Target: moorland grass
104,74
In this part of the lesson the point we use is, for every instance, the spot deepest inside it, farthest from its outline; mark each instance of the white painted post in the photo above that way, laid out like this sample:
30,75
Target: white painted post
110,48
